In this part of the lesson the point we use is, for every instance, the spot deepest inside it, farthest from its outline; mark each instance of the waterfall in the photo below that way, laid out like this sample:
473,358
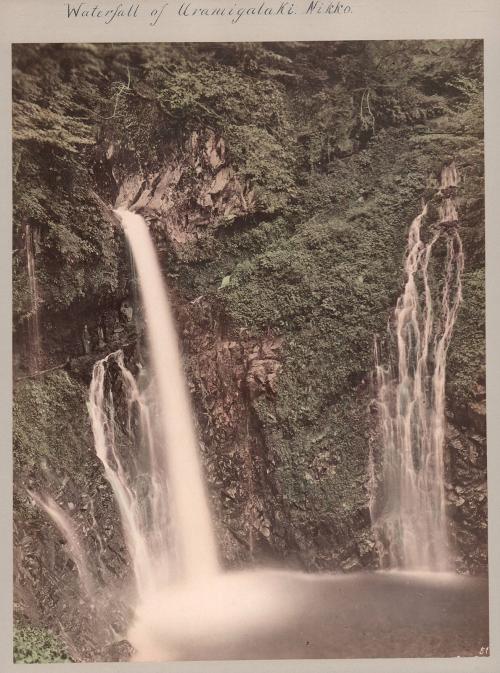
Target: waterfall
138,479
449,176
33,322
190,512
407,498
147,445
150,452
67,530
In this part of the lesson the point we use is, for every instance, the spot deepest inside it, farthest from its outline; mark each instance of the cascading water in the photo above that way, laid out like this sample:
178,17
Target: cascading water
34,345
158,484
190,512
150,458
182,597
138,480
407,497
66,528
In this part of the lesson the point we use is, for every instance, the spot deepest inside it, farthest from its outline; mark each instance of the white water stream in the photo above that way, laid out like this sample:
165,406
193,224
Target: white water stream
138,478
65,526
407,498
34,345
188,500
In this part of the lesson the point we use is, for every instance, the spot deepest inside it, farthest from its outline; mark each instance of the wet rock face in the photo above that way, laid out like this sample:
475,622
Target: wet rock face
235,378
47,588
76,343
227,373
193,193
466,488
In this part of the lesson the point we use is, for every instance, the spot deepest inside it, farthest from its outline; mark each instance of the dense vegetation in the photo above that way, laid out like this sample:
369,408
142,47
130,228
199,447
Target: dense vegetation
287,112
34,645
338,144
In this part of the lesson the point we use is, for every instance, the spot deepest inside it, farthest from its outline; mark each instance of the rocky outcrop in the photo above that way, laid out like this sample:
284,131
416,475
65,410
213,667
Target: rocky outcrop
192,194
466,487
185,200
228,373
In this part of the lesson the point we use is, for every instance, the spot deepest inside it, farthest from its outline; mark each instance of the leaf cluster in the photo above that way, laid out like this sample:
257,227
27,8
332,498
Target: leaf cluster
34,645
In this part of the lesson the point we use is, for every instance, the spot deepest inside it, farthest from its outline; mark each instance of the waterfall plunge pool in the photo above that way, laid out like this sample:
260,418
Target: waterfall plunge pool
286,615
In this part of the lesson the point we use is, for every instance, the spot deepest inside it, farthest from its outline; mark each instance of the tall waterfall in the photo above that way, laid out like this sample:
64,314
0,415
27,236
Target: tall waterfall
158,485
407,498
188,502
145,438
146,441
33,321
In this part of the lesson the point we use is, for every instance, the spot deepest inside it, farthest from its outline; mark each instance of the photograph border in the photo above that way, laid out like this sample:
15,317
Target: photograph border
45,21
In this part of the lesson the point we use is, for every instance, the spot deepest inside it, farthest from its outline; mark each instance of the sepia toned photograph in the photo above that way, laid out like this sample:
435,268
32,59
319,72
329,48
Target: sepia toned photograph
249,416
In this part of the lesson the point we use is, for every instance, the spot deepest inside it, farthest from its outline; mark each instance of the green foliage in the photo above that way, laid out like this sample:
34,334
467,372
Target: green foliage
261,97
325,282
33,645
56,99
470,108
265,162
39,125
466,361
49,418
319,470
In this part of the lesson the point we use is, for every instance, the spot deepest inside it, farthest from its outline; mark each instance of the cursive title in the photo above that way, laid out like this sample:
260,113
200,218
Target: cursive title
234,12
